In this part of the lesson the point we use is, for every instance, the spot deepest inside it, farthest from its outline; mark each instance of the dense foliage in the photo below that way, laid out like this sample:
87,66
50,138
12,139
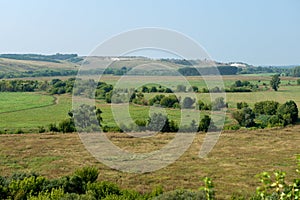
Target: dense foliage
266,114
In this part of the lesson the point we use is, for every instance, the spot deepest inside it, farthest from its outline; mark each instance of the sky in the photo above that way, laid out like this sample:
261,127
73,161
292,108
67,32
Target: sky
258,32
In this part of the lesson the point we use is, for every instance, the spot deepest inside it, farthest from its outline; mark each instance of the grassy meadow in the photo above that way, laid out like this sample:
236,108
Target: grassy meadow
232,164
27,111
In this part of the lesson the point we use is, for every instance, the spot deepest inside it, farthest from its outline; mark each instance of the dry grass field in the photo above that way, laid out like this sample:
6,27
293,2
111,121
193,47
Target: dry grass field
232,164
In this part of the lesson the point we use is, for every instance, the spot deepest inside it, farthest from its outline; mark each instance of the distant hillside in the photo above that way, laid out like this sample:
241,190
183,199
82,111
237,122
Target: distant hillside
36,65
56,58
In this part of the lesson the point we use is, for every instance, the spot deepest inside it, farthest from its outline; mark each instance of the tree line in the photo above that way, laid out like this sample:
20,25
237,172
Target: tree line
88,118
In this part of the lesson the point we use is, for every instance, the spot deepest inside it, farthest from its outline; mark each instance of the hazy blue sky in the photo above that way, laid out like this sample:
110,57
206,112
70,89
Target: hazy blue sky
253,31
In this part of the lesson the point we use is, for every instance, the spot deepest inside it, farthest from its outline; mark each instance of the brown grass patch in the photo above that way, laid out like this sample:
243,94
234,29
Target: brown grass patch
232,164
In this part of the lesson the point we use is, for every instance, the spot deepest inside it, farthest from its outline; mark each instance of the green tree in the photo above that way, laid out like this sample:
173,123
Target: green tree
153,89
195,88
158,122
218,103
169,101
245,117
275,81
204,123
288,112
188,102
86,118
266,107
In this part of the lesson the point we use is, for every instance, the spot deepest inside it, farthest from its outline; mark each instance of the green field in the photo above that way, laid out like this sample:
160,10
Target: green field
39,114
28,111
17,101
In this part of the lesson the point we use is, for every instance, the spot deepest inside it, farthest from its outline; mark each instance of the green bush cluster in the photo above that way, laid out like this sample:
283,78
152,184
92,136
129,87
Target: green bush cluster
266,114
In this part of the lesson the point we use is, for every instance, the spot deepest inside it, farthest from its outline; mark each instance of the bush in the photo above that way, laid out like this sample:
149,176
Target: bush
100,190
86,117
67,126
153,89
266,107
78,182
232,127
202,106
141,123
188,102
182,195
158,122
245,117
114,129
241,105
42,129
156,99
204,123
218,103
19,131
53,128
288,112
195,88
169,101
21,188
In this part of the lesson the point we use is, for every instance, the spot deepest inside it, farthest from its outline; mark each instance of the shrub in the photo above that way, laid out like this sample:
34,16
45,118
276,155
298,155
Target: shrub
153,89
288,112
19,131
241,105
195,88
100,190
266,107
42,129
67,126
245,117
204,123
158,122
218,103
145,89
168,90
53,127
86,117
182,195
232,127
78,182
274,120
141,123
156,99
169,101
187,102
21,188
